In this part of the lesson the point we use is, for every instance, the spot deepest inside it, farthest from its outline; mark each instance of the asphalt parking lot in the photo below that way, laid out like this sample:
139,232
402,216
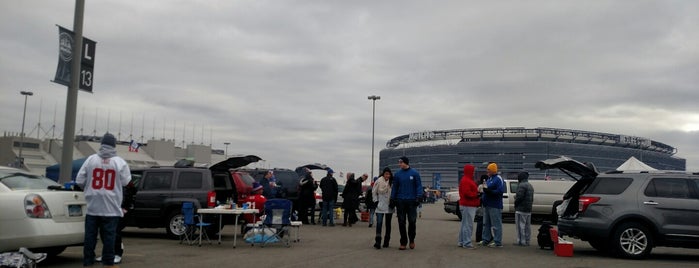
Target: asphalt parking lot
352,247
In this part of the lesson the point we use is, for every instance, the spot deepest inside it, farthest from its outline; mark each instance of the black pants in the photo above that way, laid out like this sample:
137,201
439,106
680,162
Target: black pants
407,213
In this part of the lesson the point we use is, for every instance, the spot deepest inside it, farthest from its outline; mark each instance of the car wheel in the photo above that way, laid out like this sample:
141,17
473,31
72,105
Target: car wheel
175,226
632,241
600,245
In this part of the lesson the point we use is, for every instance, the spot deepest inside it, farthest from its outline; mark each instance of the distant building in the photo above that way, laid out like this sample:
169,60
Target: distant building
39,154
443,153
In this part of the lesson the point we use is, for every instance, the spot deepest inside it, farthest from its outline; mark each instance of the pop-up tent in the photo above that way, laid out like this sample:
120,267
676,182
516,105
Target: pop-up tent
52,172
634,164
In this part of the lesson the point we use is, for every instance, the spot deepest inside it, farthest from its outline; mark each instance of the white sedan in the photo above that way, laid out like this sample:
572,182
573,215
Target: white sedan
37,213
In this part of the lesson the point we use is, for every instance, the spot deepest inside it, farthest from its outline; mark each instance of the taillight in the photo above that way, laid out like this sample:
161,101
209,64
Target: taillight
211,199
35,207
586,201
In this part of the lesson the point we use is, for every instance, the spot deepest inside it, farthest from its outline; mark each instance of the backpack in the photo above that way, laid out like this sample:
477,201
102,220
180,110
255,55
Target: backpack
544,236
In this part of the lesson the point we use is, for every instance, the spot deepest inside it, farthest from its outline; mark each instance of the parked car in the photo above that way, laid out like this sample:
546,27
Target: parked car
628,213
37,213
161,191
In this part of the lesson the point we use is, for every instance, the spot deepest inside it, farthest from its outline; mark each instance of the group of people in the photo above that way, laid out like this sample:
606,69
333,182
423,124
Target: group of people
487,196
401,193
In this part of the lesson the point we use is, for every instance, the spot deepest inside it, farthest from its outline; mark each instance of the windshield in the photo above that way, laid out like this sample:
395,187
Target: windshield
24,181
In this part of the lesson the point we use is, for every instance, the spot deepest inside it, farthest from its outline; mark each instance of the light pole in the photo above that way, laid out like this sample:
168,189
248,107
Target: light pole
20,160
373,99
227,143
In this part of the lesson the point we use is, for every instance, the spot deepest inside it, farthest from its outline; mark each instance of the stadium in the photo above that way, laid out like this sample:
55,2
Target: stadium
440,155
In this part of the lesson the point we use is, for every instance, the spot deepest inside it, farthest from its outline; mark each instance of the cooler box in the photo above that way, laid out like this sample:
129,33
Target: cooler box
563,249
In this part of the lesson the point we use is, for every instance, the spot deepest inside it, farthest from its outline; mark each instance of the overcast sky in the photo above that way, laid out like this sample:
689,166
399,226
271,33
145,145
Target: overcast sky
288,80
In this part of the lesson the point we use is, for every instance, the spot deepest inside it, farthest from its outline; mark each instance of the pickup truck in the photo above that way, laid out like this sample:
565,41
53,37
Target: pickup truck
160,192
547,194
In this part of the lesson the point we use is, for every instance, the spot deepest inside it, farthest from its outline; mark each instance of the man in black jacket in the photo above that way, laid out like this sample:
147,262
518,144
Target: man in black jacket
328,186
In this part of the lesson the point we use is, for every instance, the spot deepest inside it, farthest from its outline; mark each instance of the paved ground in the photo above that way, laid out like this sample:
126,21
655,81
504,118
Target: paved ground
352,247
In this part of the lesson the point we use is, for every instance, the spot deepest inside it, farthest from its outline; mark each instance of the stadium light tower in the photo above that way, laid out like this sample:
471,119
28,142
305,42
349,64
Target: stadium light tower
20,160
227,143
373,99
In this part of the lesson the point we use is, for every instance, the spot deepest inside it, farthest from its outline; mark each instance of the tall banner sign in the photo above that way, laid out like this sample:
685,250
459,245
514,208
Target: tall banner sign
65,58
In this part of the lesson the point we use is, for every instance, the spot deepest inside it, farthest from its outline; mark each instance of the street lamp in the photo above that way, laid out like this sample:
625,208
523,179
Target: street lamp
227,143
373,99
20,160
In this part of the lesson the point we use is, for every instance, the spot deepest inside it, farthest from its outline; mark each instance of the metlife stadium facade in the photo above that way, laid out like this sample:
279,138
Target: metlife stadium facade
440,155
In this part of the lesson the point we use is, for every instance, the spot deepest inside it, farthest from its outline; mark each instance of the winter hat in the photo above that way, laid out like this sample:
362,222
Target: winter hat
493,168
256,186
405,160
108,139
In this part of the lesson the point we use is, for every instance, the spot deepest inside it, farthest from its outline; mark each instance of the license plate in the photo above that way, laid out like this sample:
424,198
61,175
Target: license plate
75,210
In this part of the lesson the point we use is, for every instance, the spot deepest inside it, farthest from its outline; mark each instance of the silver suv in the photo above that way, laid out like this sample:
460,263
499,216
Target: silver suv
627,213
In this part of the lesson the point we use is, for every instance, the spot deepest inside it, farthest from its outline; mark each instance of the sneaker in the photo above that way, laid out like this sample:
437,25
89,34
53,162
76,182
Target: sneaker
469,247
402,247
117,259
481,244
493,245
98,259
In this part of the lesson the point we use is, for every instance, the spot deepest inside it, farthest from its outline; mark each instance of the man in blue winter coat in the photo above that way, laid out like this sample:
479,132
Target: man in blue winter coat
492,205
406,195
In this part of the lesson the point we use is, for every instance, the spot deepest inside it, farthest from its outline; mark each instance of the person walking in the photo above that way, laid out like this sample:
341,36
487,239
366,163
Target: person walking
328,186
406,195
382,194
350,196
524,199
493,190
103,176
468,203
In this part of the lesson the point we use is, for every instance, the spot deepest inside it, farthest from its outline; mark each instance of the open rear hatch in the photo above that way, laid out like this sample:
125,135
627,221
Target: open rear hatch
586,174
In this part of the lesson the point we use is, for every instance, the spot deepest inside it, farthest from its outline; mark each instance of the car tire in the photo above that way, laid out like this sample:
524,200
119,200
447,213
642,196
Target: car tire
600,245
175,223
632,240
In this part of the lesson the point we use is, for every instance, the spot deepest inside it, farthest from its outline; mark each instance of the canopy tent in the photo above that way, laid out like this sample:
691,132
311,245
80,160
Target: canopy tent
52,172
634,164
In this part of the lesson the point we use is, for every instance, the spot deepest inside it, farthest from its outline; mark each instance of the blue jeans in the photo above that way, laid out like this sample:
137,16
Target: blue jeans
407,210
326,212
107,227
467,216
379,220
492,220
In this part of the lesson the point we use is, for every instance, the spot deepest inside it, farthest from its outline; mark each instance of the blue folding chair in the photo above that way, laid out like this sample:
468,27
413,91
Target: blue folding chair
191,225
277,221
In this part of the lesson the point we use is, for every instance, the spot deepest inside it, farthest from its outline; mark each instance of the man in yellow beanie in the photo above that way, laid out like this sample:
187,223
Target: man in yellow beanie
493,190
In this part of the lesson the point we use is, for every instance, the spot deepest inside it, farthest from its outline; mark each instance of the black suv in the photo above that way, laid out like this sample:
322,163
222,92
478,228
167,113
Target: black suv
627,213
160,192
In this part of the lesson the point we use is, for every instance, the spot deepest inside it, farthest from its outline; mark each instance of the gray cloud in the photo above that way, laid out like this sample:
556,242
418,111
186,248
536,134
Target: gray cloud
288,80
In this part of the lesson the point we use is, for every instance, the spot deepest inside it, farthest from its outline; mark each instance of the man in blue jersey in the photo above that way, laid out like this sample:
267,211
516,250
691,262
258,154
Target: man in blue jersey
103,176
406,195
493,190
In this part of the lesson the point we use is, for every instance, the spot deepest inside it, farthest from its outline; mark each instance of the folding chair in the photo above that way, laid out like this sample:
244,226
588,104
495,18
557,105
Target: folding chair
191,226
277,221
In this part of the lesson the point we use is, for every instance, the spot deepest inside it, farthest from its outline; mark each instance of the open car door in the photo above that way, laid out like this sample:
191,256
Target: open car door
586,174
